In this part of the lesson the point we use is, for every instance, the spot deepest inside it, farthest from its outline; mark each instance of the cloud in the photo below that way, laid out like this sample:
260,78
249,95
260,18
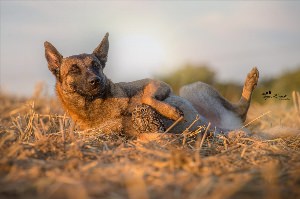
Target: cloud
146,36
253,16
237,37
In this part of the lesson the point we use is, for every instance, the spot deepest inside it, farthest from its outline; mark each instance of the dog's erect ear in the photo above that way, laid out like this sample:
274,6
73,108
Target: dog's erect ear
54,58
102,50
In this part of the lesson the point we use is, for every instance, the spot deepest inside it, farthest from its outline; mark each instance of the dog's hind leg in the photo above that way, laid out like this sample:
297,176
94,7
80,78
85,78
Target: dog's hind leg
219,111
210,104
241,108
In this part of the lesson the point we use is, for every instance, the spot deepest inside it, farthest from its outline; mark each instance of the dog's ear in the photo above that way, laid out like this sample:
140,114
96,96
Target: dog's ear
54,58
102,50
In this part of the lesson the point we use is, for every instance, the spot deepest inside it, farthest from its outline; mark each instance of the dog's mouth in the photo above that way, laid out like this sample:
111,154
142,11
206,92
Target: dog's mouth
90,92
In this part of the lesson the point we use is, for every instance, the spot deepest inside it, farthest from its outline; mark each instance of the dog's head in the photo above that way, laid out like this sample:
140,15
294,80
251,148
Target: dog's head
81,74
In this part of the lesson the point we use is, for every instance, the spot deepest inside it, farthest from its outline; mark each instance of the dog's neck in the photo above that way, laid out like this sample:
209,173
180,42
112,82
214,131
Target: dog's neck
89,112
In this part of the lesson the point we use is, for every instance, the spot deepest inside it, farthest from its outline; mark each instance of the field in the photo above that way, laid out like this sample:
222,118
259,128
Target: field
42,155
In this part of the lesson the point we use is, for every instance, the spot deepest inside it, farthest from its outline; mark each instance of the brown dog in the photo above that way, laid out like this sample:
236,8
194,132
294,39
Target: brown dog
92,100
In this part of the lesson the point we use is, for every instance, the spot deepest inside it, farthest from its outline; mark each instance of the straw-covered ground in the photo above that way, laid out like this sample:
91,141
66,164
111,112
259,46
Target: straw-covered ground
42,155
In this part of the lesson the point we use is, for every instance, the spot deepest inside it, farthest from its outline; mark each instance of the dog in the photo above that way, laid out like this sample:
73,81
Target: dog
94,101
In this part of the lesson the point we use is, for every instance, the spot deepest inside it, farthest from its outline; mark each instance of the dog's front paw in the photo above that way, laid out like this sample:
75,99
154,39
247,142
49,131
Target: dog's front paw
178,114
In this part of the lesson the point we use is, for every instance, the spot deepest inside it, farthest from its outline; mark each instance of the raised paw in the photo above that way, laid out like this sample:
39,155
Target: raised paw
250,83
252,79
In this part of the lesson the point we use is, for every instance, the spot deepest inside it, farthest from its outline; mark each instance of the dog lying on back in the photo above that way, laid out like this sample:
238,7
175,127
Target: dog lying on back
94,101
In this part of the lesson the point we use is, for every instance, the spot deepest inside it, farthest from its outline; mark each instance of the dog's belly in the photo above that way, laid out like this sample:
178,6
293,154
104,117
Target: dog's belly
190,115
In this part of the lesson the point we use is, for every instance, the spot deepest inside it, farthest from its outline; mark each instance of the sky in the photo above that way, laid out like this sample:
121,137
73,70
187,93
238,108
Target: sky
149,38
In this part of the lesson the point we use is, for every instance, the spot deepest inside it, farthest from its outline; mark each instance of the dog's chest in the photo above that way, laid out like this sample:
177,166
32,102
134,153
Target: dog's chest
111,108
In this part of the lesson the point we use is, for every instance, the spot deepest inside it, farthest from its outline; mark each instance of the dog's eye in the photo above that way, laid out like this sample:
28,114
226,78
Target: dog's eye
95,65
75,69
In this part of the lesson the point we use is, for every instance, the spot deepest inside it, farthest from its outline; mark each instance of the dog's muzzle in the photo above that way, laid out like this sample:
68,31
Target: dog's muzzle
94,82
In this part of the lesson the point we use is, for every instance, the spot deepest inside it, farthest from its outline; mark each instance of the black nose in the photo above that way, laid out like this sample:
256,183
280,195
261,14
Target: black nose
94,81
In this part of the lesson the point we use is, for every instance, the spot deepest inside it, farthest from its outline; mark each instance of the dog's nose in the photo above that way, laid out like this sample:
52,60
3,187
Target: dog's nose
94,81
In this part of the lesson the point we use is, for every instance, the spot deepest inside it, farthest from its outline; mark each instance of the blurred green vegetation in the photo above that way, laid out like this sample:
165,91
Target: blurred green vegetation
281,85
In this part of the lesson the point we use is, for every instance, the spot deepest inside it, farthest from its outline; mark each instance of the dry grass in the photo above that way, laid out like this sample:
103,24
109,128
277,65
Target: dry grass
42,155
